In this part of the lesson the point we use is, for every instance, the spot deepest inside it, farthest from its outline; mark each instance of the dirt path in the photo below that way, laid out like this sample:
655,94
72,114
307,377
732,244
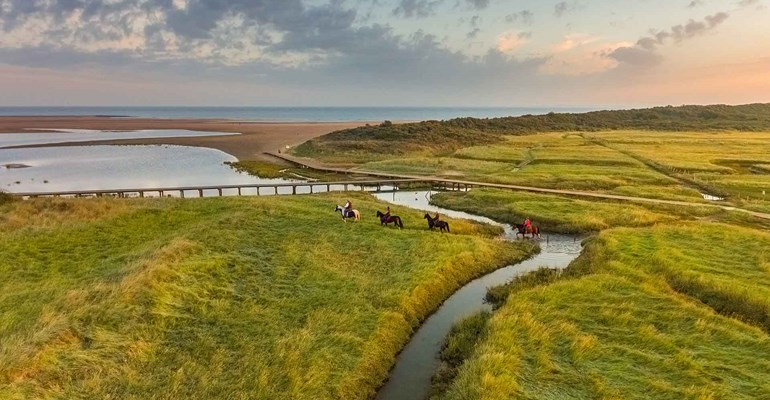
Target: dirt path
319,166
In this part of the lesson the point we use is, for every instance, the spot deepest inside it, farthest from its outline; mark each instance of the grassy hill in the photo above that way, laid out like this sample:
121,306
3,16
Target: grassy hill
442,137
664,303
236,298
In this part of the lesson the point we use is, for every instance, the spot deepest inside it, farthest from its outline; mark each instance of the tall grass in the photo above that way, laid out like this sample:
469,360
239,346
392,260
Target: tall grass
657,312
221,297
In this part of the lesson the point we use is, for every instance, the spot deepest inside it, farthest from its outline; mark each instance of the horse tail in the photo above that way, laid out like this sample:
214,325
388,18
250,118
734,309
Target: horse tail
447,228
400,223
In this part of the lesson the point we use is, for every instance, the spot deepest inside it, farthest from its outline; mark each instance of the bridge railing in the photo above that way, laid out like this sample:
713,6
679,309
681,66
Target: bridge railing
261,189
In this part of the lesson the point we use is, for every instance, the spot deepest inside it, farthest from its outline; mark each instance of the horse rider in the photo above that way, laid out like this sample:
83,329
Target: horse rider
348,208
438,216
387,215
528,225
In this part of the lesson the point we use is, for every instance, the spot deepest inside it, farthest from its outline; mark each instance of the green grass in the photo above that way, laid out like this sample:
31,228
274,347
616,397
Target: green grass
607,337
560,214
442,137
665,312
269,170
666,153
221,297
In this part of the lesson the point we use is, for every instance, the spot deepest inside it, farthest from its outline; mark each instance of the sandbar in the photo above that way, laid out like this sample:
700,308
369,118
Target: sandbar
254,140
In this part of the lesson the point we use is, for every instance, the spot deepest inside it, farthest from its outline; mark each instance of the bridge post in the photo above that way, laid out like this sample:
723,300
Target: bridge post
294,189
239,190
257,190
220,191
181,194
141,194
161,193
200,192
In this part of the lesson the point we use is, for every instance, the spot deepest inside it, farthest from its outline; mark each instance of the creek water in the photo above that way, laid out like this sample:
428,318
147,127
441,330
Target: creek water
410,378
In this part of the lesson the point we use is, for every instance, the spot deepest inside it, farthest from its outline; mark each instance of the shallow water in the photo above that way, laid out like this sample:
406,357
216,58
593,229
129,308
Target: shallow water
411,376
56,169
88,135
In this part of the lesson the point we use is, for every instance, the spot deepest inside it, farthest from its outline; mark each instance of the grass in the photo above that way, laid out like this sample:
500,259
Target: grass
459,346
658,312
432,138
219,297
607,337
269,170
563,214
667,153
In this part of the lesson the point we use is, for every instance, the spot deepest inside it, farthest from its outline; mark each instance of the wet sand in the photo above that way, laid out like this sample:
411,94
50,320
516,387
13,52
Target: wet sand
254,140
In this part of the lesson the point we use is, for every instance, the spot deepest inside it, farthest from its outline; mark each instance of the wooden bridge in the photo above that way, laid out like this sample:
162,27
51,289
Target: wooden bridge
260,189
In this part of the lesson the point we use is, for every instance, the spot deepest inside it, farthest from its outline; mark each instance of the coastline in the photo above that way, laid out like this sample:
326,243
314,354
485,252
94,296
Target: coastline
254,140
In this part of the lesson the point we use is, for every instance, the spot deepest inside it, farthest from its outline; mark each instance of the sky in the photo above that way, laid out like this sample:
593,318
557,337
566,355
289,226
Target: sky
509,53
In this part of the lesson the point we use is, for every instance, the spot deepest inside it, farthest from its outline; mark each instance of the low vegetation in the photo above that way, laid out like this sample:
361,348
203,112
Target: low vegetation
219,297
675,309
675,153
444,137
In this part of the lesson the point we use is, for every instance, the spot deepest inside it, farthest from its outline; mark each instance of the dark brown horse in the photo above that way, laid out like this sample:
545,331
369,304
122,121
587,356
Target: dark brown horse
523,231
432,223
388,219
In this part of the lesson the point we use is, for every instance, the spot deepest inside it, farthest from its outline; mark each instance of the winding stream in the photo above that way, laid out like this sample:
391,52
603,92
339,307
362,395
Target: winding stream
411,376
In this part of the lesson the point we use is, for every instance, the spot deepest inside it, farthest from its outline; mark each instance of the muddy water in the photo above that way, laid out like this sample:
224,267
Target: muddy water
410,378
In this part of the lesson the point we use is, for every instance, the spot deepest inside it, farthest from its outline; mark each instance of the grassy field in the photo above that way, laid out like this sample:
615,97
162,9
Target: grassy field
668,153
665,303
220,297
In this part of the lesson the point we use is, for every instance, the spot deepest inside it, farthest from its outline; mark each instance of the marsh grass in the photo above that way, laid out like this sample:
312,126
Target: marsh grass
219,297
458,346
270,170
656,312
605,336
553,213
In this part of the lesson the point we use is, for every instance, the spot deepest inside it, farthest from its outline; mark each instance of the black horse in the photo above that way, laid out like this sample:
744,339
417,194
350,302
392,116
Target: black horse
432,223
385,220
522,230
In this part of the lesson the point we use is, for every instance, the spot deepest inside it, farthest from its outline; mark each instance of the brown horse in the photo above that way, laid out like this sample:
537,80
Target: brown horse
432,223
388,219
523,231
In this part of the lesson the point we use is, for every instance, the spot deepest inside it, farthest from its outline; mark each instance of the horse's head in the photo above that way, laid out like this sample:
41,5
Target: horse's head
379,214
427,216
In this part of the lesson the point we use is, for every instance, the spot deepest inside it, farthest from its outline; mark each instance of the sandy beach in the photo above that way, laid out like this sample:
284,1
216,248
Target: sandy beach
255,137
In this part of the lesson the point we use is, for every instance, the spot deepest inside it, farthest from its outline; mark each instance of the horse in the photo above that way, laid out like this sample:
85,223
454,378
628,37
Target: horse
523,231
432,223
351,214
385,220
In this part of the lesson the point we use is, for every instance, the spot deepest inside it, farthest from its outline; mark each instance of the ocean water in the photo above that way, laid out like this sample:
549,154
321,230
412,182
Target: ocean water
290,114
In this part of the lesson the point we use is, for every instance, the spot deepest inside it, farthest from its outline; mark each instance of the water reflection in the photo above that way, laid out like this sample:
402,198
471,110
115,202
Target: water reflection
57,169
88,135
411,376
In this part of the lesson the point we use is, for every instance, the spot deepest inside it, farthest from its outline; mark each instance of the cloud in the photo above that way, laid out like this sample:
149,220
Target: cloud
510,41
526,17
564,7
478,4
416,8
580,54
643,53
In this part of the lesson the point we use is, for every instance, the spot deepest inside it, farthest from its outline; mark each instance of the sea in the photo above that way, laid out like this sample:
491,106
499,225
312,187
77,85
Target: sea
292,114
